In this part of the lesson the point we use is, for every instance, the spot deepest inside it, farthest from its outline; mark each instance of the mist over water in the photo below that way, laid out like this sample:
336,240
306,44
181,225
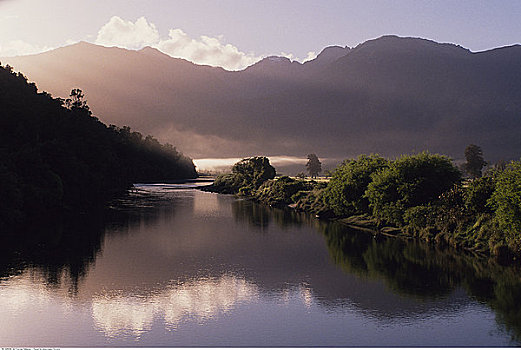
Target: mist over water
287,165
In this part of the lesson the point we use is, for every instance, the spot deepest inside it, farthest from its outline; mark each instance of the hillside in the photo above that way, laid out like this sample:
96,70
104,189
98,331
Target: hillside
55,155
389,95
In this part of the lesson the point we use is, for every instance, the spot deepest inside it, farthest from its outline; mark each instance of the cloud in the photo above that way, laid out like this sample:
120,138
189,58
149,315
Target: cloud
206,50
311,56
20,47
118,32
7,18
203,50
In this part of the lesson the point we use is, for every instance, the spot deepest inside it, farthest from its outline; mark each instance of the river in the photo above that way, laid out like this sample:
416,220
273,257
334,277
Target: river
169,265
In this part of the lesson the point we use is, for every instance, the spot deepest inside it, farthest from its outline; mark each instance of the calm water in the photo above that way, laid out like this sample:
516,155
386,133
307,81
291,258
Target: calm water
174,266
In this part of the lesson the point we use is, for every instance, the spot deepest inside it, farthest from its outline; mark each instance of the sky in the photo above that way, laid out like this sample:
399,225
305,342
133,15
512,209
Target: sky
236,33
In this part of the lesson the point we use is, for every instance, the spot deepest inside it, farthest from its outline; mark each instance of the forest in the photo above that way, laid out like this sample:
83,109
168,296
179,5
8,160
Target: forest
56,156
421,196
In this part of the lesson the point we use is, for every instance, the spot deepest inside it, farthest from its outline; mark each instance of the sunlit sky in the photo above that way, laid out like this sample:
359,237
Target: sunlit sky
236,33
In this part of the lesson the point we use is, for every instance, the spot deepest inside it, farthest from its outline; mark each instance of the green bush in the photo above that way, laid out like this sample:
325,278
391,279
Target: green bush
408,182
345,191
478,193
253,171
506,200
246,177
281,191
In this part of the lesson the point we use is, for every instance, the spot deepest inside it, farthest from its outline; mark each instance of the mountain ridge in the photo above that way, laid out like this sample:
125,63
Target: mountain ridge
389,95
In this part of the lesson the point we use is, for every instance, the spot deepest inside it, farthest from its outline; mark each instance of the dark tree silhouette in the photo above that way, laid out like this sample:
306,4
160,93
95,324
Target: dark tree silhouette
314,165
76,100
475,161
55,156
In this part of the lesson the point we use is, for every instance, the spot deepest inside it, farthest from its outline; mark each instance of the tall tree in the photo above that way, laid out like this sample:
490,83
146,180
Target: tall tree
314,165
475,161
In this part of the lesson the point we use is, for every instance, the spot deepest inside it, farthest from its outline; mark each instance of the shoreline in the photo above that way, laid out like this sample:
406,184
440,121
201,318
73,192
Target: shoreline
368,224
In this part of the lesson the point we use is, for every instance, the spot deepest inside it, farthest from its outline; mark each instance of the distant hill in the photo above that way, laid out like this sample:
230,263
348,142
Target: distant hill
389,95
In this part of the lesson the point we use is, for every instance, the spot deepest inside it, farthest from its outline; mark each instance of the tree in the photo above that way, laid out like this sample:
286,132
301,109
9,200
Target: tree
314,165
408,182
76,100
475,161
246,177
344,193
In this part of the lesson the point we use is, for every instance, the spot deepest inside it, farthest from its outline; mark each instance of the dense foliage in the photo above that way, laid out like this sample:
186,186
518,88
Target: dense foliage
408,182
506,200
420,195
246,177
55,154
345,191
281,191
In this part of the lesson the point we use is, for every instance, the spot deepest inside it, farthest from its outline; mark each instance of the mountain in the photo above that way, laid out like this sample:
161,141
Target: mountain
329,55
390,95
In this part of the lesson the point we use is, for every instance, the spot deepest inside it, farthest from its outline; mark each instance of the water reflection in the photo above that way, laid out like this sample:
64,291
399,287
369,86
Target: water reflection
181,259
259,215
198,300
411,268
424,271
61,251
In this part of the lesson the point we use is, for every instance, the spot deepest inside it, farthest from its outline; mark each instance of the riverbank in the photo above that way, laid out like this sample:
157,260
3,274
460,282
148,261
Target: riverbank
414,197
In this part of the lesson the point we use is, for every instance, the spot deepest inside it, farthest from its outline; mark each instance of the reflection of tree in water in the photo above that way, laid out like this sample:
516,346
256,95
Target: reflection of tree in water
260,215
140,207
59,249
256,215
62,249
422,271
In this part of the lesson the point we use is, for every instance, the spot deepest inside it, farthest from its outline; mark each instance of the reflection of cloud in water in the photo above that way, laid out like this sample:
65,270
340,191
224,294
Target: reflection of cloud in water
21,294
302,293
198,300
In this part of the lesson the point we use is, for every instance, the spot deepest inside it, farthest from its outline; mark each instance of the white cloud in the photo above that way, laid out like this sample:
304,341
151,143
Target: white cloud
311,56
203,50
20,47
289,56
118,32
206,50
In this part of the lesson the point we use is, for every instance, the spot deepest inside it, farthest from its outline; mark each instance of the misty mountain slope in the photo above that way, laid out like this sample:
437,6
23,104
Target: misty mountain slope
389,95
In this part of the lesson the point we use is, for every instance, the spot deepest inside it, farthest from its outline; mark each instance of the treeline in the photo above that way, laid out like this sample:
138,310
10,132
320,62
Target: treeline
422,195
55,155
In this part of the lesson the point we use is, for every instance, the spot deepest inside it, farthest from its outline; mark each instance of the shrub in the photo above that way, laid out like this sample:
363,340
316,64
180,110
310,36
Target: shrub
345,191
281,191
478,193
246,177
253,171
408,182
506,200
